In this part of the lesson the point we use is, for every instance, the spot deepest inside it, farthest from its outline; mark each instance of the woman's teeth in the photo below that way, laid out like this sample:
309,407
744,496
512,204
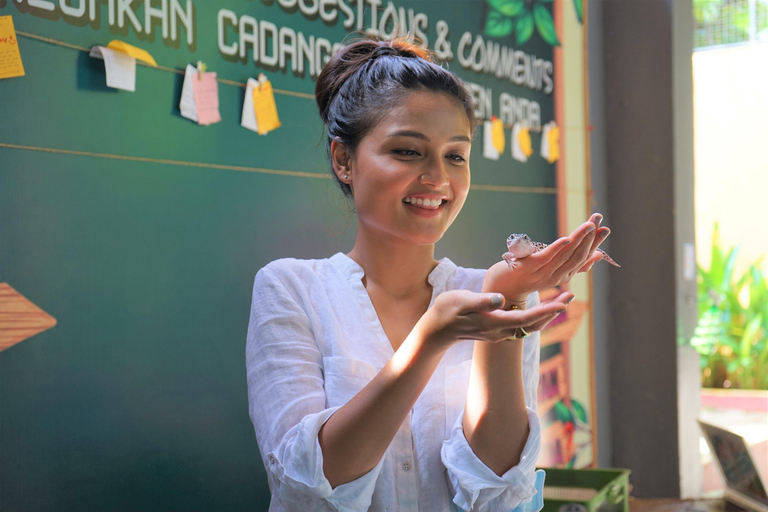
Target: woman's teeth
423,202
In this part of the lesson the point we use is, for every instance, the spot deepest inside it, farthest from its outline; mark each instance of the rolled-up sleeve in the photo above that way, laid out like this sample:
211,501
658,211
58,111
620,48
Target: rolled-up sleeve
478,488
287,402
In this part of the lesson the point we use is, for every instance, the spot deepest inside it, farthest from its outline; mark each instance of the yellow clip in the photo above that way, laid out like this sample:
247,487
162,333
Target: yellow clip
133,51
201,67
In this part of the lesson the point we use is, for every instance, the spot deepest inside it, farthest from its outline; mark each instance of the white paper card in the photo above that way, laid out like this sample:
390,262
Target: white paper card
489,150
545,141
187,103
248,118
120,67
517,150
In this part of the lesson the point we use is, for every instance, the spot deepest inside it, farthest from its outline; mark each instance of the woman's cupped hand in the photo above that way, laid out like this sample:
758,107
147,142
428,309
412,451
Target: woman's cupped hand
464,315
554,265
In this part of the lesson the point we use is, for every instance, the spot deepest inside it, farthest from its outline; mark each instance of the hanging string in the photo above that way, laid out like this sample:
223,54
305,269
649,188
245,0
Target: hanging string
170,70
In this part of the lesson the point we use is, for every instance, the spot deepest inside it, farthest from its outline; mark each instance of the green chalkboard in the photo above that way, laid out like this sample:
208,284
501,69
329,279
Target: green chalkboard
140,232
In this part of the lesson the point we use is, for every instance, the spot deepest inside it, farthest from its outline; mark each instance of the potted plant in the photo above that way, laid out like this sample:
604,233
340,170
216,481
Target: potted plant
732,332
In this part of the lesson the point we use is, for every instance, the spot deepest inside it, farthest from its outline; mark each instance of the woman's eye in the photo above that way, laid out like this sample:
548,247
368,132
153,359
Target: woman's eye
406,152
456,158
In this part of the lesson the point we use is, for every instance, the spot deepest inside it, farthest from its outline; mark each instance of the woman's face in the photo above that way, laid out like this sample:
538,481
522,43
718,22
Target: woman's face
410,173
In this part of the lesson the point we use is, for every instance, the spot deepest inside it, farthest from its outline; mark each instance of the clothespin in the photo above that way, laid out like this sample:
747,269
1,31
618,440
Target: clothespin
201,67
262,79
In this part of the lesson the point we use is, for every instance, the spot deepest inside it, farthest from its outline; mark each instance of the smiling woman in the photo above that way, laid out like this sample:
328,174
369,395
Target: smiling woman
382,379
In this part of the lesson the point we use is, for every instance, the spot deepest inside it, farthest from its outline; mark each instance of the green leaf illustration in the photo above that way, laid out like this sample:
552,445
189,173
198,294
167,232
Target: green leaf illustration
508,8
579,9
563,413
524,27
581,412
545,24
497,25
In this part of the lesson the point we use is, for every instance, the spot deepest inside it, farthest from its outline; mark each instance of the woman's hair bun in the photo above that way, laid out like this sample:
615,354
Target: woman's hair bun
353,57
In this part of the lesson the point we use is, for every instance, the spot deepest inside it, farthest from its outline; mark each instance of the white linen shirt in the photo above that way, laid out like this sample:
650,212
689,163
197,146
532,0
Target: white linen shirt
314,341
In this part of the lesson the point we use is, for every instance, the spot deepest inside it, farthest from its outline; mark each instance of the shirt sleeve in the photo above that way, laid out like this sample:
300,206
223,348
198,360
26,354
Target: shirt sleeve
287,402
478,488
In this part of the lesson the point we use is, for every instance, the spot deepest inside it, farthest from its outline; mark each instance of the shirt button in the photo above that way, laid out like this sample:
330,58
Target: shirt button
271,458
406,466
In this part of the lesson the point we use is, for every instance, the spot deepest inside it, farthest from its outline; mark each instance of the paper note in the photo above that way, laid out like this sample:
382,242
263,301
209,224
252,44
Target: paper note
554,143
133,51
120,67
489,150
524,136
497,134
10,58
248,117
206,91
187,102
550,142
544,148
518,153
265,108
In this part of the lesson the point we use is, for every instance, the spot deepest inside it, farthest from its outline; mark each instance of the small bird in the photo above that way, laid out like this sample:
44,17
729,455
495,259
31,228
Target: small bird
520,246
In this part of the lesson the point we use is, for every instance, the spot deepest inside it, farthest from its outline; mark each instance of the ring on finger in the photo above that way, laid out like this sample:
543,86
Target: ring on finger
519,334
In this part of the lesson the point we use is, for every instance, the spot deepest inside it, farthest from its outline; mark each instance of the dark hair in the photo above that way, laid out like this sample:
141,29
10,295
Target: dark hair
363,80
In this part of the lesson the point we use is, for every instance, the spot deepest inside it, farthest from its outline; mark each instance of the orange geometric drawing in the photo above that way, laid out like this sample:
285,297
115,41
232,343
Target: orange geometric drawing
19,318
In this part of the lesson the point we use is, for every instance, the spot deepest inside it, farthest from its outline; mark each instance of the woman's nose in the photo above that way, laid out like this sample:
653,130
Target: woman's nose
435,175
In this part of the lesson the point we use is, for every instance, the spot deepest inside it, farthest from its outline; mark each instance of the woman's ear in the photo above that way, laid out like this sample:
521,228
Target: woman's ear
341,161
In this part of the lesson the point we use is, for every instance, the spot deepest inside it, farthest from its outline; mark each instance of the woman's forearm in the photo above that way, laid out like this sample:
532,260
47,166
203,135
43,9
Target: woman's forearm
355,437
495,417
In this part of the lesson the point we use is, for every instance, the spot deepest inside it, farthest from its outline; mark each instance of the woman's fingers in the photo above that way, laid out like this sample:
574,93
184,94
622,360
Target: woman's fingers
597,256
571,256
545,313
549,253
601,235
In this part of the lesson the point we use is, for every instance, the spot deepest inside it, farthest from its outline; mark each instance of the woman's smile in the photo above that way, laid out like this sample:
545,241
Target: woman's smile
425,205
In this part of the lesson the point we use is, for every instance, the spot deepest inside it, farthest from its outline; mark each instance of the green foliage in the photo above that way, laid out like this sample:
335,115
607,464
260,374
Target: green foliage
523,17
524,27
545,24
497,25
718,22
731,337
510,8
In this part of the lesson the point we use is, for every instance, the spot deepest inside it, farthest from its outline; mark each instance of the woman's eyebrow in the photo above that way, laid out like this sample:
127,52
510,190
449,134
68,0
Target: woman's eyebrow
419,135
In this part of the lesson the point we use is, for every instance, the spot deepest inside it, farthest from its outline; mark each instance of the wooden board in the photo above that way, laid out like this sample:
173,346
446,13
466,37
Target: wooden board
19,318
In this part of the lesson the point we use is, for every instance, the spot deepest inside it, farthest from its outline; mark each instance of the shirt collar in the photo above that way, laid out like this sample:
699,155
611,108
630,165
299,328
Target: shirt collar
438,278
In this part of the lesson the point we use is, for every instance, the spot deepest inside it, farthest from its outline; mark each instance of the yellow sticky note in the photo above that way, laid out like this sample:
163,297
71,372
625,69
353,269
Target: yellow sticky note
554,144
10,58
524,138
265,108
136,53
497,133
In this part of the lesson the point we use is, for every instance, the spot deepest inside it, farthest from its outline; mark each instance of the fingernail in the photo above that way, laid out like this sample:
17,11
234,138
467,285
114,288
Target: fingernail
598,218
591,228
604,232
497,301
566,241
570,300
